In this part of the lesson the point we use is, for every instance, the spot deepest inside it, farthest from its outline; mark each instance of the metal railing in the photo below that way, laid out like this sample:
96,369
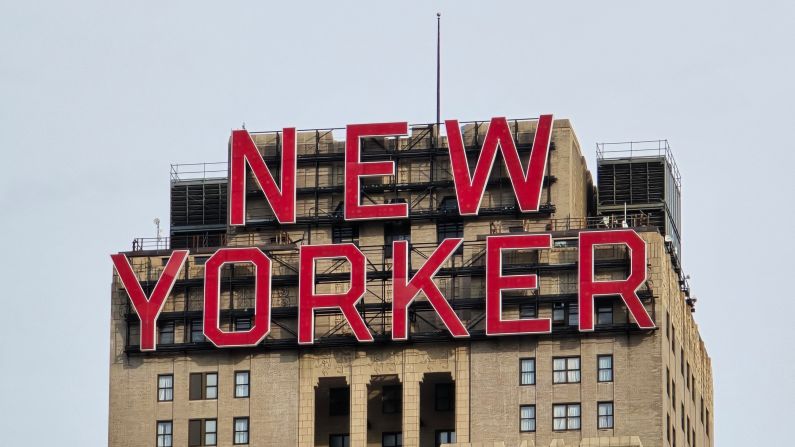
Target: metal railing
193,242
639,149
199,171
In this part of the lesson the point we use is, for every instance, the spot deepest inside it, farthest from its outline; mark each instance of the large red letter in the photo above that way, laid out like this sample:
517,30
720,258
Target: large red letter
281,198
627,288
526,186
148,309
496,283
308,300
261,324
405,291
354,169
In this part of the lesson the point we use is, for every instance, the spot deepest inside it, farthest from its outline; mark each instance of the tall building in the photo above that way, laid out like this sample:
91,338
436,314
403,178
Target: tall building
619,385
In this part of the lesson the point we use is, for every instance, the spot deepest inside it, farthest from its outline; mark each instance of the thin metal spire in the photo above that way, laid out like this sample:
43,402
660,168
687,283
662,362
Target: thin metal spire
438,71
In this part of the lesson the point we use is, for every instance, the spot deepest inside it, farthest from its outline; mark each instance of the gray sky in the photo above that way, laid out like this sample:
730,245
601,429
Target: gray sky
97,98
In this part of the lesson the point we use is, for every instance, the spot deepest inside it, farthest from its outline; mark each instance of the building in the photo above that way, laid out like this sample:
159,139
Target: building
618,385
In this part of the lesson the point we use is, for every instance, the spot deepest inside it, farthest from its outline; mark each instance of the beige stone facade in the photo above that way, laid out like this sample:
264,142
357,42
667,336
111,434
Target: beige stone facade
659,390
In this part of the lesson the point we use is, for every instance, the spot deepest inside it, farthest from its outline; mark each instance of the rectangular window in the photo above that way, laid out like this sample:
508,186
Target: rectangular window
668,428
604,314
605,368
566,370
241,431
391,399
528,310
242,384
339,440
203,386
165,388
558,313
683,414
211,386
164,434
682,361
210,432
574,314
527,371
345,234
194,432
395,231
242,323
527,418
393,439
445,396
445,437
447,230
668,381
339,401
673,338
605,415
566,417
196,331
165,333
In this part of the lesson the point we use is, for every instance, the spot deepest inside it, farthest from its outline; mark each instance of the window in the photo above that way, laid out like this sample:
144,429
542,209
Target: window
668,428
683,414
211,386
341,440
527,371
565,313
446,230
241,431
566,417
242,384
242,323
165,388
203,386
164,434
133,334
566,370
445,437
445,396
200,260
702,409
529,310
604,313
396,231
527,418
667,324
605,368
605,415
558,313
165,333
345,234
673,338
391,399
339,401
668,381
693,390
392,439
202,432
196,331
565,243
574,315
682,361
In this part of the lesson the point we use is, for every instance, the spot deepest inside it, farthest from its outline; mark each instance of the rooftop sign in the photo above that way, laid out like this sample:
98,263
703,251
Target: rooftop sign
281,197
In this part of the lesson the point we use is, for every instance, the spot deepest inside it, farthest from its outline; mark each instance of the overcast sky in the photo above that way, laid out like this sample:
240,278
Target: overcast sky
97,98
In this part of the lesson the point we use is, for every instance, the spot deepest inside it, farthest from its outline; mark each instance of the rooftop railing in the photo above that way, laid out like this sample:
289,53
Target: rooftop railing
639,149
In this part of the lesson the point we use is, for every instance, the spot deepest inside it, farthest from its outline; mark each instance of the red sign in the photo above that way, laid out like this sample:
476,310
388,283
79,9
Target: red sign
527,186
